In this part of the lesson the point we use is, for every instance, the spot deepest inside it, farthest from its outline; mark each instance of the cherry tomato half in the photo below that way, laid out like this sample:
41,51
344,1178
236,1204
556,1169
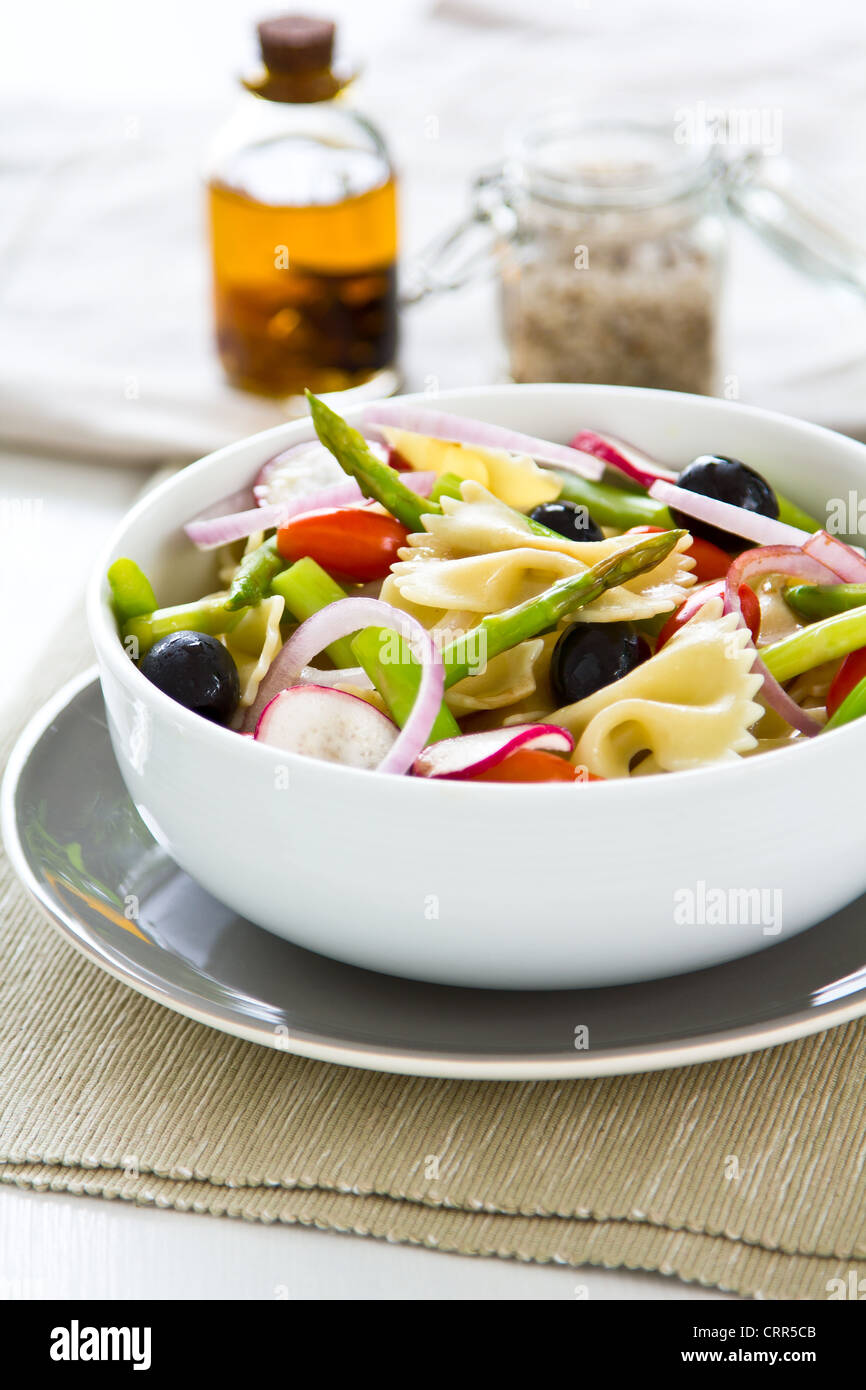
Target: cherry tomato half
688,609
534,765
751,609
850,673
749,604
353,541
710,562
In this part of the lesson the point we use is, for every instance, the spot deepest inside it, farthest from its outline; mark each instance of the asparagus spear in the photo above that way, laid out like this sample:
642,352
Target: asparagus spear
792,515
823,641
397,681
210,616
131,593
254,574
307,588
823,600
538,615
447,485
375,478
613,506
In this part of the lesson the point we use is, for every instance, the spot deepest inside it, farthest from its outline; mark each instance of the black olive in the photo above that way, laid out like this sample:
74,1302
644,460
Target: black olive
197,671
569,520
589,656
727,480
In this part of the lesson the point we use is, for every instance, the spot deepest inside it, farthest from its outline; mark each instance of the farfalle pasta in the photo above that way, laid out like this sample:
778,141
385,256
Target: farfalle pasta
483,557
507,678
254,643
689,705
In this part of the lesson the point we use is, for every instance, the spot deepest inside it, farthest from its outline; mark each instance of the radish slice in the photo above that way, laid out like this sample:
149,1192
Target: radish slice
844,561
623,457
207,535
458,758
333,725
776,559
763,530
300,471
461,430
275,682
306,467
349,615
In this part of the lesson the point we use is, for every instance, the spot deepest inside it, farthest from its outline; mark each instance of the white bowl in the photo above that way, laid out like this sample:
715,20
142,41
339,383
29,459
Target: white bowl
546,886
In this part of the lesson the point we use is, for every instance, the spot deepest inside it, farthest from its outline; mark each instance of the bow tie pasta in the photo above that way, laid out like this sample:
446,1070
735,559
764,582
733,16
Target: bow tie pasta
481,557
254,643
507,678
689,705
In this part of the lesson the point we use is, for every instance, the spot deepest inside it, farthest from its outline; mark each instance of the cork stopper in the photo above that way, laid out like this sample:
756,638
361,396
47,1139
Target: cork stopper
293,43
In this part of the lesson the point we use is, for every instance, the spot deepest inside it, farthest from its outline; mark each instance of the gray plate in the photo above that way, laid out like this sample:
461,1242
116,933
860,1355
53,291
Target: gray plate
85,856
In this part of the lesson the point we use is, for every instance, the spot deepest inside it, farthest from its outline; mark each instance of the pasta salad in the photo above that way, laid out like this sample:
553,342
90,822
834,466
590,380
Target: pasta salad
437,597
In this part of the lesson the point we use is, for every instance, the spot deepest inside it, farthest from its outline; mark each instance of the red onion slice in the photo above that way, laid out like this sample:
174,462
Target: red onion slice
763,530
844,561
462,430
793,562
207,535
466,756
637,466
239,501
347,616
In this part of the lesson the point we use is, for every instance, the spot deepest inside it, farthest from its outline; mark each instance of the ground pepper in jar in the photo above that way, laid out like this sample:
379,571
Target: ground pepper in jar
613,273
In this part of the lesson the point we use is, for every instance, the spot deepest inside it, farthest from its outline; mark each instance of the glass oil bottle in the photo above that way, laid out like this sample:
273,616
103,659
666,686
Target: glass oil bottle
303,225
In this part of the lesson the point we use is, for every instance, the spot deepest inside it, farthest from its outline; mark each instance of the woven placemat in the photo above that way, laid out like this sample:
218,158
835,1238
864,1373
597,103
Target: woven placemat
745,1174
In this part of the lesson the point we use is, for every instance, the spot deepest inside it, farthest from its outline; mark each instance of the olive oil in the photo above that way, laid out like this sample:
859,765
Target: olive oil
303,223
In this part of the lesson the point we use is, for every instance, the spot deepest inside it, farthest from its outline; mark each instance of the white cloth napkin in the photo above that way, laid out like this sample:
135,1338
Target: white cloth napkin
105,337
105,345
